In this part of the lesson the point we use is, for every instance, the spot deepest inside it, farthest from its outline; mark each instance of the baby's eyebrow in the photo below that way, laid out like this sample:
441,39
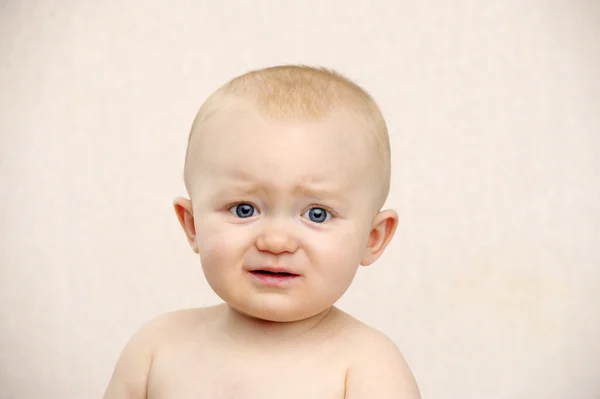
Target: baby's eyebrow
246,189
314,192
307,191
242,182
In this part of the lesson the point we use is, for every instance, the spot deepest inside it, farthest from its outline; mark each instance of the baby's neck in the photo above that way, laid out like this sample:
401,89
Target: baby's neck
248,329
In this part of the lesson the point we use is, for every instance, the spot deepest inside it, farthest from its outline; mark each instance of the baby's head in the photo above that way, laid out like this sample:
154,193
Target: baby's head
287,169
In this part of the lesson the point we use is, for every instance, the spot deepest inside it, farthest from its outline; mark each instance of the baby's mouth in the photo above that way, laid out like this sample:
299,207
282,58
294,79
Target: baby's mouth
274,277
273,274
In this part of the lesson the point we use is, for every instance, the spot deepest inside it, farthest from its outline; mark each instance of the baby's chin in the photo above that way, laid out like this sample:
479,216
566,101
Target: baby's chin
280,312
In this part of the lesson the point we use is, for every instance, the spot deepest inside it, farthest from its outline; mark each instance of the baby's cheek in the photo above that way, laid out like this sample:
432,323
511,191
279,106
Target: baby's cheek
222,247
352,242
210,240
340,254
212,248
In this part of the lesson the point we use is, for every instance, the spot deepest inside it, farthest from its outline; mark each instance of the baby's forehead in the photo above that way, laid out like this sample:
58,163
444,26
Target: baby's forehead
319,159
252,138
247,123
241,115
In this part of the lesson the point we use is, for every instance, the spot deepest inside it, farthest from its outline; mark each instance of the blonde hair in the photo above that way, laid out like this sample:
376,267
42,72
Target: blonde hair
298,92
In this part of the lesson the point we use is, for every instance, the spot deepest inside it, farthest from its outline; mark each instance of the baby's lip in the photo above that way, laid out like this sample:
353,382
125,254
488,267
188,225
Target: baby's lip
274,269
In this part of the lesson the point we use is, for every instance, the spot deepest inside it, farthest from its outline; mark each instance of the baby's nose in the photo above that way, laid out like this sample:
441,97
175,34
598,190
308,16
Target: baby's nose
276,240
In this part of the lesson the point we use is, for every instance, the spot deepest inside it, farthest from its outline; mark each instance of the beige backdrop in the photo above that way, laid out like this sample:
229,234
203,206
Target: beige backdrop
492,284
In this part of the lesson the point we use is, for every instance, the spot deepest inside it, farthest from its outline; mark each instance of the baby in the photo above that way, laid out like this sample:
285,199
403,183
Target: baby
287,169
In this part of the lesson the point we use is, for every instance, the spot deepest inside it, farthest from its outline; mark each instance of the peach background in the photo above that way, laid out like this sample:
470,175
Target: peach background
492,284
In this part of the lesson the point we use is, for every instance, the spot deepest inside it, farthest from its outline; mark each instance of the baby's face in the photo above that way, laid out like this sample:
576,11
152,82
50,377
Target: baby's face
293,198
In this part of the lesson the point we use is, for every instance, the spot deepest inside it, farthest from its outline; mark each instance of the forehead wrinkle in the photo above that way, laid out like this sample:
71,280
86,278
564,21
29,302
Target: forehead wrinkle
314,192
244,182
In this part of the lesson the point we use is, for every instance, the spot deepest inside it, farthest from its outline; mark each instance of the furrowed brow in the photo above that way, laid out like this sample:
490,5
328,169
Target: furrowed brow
317,193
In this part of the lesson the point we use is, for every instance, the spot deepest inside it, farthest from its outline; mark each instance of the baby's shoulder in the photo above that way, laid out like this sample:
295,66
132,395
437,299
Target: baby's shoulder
130,377
360,339
375,363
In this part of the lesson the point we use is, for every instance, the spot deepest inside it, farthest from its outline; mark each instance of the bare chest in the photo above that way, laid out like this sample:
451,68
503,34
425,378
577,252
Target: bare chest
243,376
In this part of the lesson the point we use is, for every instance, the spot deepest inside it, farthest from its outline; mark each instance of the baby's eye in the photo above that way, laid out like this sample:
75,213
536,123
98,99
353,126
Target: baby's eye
243,210
317,215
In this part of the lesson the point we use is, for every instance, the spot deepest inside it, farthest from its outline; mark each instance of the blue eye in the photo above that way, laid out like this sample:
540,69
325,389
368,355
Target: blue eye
317,215
243,210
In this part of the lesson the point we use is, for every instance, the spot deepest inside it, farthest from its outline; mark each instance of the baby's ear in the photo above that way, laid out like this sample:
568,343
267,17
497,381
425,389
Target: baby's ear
185,214
382,231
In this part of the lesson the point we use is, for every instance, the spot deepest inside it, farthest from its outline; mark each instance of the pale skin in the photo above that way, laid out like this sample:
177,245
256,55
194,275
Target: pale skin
297,196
